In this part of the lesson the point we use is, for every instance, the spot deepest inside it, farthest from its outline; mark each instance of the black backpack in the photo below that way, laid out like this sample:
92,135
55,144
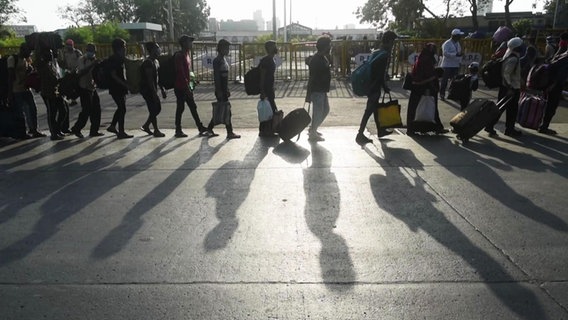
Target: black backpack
167,71
101,74
252,81
491,73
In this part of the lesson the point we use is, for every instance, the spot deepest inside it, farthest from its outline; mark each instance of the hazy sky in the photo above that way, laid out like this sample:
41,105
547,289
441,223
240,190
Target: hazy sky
323,14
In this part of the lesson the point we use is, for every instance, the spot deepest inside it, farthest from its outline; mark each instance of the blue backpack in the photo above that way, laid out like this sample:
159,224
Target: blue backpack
361,77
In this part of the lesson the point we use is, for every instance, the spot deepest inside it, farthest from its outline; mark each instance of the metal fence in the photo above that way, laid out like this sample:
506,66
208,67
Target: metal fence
292,59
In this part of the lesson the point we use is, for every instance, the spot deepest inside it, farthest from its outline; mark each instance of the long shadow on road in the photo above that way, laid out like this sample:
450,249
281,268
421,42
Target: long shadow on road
418,212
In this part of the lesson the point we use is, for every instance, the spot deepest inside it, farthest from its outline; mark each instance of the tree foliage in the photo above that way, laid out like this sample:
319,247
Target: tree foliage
103,33
9,10
190,16
404,14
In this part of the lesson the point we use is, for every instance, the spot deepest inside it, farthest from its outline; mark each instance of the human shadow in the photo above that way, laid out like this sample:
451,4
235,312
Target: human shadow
291,152
404,194
230,186
322,209
506,160
19,195
78,192
132,221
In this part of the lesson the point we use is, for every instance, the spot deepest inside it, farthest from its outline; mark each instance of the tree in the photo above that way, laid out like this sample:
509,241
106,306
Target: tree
407,12
9,10
523,26
508,21
80,14
115,10
474,9
108,31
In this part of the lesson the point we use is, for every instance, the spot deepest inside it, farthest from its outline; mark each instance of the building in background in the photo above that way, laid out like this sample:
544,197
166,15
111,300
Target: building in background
260,22
23,30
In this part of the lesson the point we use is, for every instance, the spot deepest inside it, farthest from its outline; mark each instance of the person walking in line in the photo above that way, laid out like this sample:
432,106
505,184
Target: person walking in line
19,66
267,67
511,87
149,89
222,93
184,87
554,92
425,81
318,86
118,88
90,102
451,59
378,81
57,112
70,59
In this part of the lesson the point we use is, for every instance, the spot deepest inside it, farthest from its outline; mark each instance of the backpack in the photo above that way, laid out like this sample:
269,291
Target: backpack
69,85
167,71
252,81
539,77
101,74
361,77
491,73
460,87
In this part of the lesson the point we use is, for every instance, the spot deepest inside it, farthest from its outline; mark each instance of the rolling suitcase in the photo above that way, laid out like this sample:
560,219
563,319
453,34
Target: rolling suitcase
531,111
294,123
478,114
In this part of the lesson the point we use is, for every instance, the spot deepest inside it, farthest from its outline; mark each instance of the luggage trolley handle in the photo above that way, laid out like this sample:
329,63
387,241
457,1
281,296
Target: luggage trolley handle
502,104
309,107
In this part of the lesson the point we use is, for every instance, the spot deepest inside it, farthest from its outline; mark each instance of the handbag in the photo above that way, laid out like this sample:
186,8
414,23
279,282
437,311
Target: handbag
407,82
389,113
264,110
426,109
221,112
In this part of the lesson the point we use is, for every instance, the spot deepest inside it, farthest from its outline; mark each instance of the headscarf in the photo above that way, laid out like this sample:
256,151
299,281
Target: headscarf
426,62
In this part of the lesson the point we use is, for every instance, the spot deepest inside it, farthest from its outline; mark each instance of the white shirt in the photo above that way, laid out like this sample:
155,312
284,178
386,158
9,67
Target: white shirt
450,50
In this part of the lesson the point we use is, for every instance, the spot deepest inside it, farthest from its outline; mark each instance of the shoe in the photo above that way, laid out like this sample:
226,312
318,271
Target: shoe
37,134
491,131
442,97
233,135
267,135
96,134
314,137
147,130
158,134
56,137
513,133
203,132
384,132
442,131
180,134
77,133
124,135
112,130
362,140
411,133
211,134
547,131
66,132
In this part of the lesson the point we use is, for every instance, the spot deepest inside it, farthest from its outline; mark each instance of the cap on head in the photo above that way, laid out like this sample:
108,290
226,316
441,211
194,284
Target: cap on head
389,36
185,38
514,43
457,32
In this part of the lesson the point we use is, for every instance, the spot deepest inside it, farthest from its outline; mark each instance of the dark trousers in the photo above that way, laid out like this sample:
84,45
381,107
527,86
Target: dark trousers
372,104
553,99
120,113
57,115
25,104
181,99
449,74
90,110
512,108
154,109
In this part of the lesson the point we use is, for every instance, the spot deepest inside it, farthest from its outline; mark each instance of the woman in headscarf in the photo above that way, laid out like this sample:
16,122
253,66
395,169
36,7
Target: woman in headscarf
424,82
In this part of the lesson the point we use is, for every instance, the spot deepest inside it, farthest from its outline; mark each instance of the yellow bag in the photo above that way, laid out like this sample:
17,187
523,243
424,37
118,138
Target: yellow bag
389,113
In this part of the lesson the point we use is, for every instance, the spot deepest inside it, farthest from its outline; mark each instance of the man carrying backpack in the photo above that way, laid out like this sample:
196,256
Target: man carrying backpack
118,88
267,69
510,87
70,60
19,66
378,81
183,87
90,102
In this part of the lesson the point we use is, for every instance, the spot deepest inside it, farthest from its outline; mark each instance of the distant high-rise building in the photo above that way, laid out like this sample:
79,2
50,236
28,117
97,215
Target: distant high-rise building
213,25
260,22
484,7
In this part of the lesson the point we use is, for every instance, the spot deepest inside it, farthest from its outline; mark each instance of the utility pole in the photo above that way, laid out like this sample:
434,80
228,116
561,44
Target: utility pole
274,30
171,18
285,24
